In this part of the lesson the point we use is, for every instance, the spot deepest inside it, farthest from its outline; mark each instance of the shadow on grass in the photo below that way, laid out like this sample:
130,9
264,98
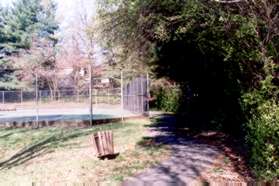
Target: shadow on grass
11,132
27,153
42,147
58,137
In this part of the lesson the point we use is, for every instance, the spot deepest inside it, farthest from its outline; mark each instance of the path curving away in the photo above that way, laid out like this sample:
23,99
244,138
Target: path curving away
188,161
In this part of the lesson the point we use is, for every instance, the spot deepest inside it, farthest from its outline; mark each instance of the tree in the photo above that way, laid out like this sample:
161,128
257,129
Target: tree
77,46
6,74
40,61
224,46
123,49
26,22
223,54
73,58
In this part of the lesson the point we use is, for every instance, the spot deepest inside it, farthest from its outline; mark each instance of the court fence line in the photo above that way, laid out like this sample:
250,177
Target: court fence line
132,96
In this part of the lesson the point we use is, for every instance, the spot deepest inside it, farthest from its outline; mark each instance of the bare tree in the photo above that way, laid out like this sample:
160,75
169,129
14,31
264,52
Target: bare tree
40,61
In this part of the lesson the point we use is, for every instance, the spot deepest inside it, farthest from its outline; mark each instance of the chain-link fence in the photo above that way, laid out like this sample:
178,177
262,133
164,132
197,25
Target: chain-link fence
92,98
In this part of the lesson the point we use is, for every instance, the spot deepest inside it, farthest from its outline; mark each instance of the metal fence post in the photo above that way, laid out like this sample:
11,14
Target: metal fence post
133,96
96,97
147,94
3,97
90,95
108,96
122,97
141,94
37,101
77,91
40,96
21,96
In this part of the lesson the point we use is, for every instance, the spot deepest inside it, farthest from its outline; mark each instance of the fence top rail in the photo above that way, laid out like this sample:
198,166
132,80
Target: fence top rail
60,90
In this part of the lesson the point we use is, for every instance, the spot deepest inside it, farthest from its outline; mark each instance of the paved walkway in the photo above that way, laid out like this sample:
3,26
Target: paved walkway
188,160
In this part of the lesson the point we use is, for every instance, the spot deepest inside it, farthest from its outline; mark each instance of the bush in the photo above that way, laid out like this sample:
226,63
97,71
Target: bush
263,138
167,99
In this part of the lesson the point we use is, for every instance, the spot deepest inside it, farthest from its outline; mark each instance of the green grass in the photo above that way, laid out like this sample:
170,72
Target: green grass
65,155
11,139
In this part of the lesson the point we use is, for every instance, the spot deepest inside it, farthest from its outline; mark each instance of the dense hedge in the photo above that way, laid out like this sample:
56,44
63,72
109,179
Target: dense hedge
263,138
167,99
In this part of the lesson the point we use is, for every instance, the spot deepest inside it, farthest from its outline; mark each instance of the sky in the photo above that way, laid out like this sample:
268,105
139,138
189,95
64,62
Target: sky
67,10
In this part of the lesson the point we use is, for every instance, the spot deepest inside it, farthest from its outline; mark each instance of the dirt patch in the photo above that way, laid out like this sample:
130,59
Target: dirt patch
231,164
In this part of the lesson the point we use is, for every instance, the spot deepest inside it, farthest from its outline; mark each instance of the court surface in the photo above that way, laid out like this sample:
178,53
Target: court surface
63,114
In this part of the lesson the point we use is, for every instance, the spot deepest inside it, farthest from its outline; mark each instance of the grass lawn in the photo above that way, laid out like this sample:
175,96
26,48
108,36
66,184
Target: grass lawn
65,155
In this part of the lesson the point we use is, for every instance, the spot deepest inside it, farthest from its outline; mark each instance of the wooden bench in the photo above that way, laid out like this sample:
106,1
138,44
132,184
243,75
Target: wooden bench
103,144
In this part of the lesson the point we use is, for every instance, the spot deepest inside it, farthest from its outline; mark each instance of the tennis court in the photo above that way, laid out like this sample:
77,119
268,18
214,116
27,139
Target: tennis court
63,114
20,107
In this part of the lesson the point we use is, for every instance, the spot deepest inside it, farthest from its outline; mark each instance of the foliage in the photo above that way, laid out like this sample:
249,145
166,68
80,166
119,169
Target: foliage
7,79
167,98
262,128
25,20
20,25
223,55
263,137
124,49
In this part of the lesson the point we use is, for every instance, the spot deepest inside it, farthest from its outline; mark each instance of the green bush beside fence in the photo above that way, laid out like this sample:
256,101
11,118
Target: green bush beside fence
167,99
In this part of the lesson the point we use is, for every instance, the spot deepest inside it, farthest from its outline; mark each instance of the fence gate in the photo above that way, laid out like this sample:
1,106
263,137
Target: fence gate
136,94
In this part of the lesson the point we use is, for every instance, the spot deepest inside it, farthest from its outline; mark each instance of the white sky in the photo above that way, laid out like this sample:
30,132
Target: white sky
67,10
